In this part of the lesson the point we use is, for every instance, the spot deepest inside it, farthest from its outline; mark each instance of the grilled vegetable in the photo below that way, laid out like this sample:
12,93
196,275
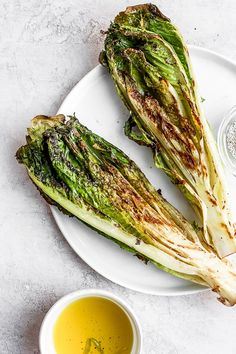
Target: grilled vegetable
87,177
149,63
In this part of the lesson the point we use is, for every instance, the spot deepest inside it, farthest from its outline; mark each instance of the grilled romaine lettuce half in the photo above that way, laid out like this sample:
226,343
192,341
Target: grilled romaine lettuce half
149,63
89,178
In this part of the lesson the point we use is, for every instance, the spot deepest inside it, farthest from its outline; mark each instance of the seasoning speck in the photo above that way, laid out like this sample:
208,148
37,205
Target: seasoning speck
231,139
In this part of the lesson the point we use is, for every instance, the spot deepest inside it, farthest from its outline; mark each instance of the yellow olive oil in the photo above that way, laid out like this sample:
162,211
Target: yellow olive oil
93,325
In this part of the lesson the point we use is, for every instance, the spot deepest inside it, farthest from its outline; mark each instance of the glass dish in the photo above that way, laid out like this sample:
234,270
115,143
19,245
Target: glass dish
226,156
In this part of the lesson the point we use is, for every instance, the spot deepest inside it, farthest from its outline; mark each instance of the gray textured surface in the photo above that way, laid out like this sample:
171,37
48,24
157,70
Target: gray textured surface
45,48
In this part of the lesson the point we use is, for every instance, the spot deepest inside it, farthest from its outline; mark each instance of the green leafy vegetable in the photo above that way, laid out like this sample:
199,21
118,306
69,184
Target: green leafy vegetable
95,343
149,63
89,178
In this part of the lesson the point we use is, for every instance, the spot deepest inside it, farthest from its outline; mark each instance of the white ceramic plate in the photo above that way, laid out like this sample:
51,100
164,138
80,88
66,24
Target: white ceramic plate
96,104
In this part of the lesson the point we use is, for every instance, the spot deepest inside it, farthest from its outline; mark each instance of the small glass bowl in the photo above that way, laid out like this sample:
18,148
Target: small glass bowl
226,156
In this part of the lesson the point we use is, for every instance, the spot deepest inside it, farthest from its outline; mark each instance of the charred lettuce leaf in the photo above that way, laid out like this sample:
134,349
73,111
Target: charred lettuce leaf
91,179
149,63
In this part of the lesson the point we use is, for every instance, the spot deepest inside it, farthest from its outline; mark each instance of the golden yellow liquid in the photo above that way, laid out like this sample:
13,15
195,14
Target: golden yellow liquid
93,325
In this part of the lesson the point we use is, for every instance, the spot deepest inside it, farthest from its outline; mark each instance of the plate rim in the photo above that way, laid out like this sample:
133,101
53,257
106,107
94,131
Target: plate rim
60,223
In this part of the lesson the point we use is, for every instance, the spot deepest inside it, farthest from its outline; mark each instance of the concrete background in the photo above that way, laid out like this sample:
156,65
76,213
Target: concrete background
45,48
